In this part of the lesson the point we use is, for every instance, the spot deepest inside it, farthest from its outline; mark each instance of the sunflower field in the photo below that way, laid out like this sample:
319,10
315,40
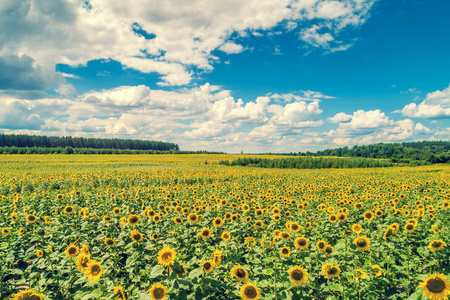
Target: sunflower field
184,227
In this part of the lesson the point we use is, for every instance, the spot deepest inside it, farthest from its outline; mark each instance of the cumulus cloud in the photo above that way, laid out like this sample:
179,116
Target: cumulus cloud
340,117
21,73
152,36
435,105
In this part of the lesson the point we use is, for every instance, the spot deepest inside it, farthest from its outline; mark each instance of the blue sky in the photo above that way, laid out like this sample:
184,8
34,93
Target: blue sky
281,76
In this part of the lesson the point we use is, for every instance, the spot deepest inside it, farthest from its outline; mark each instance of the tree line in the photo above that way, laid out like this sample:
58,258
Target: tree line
70,150
42,141
308,163
414,153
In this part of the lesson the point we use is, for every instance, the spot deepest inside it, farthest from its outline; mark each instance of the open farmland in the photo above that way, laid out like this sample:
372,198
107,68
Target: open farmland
184,227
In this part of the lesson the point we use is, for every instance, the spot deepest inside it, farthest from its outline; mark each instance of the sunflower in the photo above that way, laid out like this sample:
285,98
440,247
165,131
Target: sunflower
295,227
329,249
208,266
133,219
285,235
31,218
118,290
94,270
179,269
217,257
85,249
276,233
250,291
362,243
217,222
158,291
39,253
69,209
436,245
27,295
298,275
376,269
301,243
239,273
285,251
205,233
116,210
72,251
156,218
136,236
388,233
248,219
6,230
330,271
166,256
192,218
155,236
226,236
178,220
82,262
109,242
106,219
321,245
368,216
333,218
359,274
259,224
436,287
410,227
250,242
357,228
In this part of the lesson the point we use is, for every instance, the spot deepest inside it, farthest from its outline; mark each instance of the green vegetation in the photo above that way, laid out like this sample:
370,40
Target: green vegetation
70,150
42,141
414,153
308,163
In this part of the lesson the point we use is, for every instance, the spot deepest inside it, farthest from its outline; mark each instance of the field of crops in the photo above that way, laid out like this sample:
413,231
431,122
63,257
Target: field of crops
184,227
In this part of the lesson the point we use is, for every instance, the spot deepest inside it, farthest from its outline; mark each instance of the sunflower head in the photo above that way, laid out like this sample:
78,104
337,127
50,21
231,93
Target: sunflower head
82,262
359,274
217,257
166,256
39,253
205,233
410,227
362,243
94,270
217,222
250,291
226,236
436,286
69,209
71,251
158,291
109,242
208,266
285,251
28,295
321,245
133,219
436,245
298,275
377,271
31,218
301,243
239,273
330,271
136,236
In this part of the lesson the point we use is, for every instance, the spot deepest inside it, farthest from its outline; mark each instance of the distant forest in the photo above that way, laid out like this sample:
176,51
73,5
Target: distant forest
415,153
42,141
308,162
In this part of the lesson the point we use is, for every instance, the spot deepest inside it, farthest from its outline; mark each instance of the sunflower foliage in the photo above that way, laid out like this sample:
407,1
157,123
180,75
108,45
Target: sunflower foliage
173,227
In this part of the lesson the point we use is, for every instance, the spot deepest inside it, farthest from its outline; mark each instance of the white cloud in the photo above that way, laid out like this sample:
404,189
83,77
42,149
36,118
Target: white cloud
180,34
121,96
340,117
435,105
